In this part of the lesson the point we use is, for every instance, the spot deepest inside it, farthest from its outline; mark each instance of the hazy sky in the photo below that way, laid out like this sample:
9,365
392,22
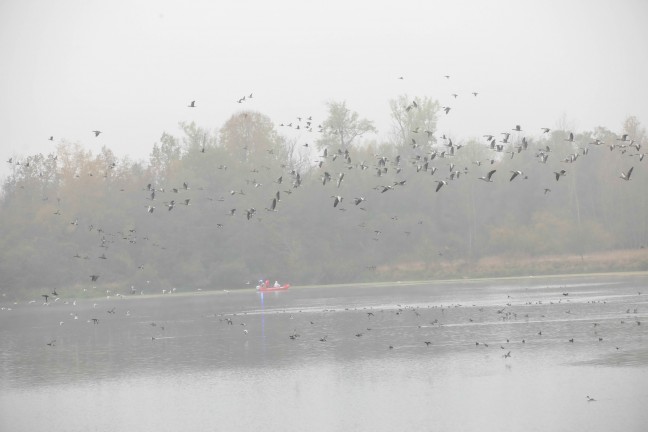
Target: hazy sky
130,68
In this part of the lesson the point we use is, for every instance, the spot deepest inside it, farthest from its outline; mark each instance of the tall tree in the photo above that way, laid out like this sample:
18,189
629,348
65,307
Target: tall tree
414,121
343,126
250,136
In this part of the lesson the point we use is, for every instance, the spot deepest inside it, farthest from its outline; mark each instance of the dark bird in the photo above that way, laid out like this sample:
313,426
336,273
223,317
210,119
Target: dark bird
515,174
570,138
545,130
488,176
559,174
51,138
358,200
440,184
626,176
94,278
52,343
46,297
517,128
96,132
192,104
273,205
338,199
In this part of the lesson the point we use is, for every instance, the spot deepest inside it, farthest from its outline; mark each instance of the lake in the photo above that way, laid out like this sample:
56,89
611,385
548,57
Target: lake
474,355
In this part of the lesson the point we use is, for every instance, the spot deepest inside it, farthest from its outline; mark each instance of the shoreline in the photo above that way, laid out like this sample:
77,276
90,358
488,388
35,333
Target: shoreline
404,283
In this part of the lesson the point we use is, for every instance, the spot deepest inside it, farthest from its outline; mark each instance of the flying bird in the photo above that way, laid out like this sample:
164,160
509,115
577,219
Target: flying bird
192,104
488,176
515,174
559,174
440,184
96,132
338,199
626,176
273,205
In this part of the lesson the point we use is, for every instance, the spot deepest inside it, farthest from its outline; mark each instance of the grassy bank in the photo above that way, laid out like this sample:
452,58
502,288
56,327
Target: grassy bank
505,266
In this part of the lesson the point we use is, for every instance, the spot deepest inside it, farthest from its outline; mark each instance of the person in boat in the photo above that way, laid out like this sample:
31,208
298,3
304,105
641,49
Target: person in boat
276,284
267,283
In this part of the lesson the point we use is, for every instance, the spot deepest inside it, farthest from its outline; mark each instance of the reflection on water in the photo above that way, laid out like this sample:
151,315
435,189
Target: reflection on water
513,355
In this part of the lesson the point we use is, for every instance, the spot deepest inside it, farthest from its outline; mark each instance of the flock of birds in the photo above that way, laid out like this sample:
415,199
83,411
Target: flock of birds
507,329
423,155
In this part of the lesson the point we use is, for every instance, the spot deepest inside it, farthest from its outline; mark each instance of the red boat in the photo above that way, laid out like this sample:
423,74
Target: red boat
266,287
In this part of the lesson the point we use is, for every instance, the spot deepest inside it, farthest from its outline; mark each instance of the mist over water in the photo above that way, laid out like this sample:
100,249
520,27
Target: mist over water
499,357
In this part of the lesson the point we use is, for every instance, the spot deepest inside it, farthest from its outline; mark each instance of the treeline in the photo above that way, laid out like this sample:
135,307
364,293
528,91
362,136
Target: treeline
221,210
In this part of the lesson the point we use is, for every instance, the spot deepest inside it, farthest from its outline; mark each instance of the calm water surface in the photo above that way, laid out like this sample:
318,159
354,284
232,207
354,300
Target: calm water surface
498,357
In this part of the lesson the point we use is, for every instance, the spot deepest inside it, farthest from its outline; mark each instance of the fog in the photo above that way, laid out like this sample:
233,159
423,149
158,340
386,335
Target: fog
455,193
228,99
130,68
